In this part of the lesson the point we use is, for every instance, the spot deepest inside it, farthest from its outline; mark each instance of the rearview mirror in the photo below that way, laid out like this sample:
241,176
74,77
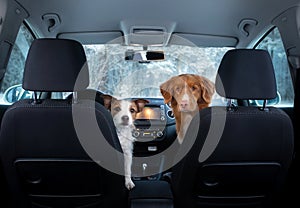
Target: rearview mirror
144,56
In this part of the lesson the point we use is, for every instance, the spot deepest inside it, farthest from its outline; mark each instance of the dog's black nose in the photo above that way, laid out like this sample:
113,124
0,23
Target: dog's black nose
125,118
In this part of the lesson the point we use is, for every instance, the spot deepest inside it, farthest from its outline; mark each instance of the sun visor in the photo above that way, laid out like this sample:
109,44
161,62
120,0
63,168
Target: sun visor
201,40
94,37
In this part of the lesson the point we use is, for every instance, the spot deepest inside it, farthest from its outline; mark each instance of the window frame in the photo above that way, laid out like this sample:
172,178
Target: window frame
261,39
30,32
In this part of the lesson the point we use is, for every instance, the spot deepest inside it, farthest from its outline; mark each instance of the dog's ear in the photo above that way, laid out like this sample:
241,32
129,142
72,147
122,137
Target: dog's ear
140,103
208,89
107,100
166,91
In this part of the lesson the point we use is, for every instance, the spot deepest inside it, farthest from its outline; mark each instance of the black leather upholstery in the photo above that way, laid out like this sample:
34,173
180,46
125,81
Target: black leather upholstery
248,163
42,155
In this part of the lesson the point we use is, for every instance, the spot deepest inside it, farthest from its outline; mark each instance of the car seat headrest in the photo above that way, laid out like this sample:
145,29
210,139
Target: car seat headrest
54,65
246,74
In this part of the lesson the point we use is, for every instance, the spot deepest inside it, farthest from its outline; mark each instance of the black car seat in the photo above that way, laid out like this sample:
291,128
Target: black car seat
50,153
240,155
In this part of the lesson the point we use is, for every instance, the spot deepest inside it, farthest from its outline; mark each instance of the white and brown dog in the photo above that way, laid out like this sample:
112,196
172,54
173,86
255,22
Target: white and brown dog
187,93
124,113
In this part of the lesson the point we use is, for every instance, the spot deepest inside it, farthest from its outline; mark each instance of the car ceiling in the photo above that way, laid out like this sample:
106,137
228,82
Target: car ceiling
204,22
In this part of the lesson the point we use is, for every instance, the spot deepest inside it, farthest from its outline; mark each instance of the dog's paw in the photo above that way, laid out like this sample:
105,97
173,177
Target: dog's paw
129,184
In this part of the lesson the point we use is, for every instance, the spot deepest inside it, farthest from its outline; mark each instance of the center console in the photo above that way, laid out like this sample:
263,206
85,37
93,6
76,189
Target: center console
154,128
154,132
150,123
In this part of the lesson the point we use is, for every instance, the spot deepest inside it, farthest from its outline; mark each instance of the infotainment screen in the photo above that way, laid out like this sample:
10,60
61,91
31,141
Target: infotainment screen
149,113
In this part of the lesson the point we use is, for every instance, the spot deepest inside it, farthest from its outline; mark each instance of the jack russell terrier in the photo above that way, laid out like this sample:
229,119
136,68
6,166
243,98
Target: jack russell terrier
124,113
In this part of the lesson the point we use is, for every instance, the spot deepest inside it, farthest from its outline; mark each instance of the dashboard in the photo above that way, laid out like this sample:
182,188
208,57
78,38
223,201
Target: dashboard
155,128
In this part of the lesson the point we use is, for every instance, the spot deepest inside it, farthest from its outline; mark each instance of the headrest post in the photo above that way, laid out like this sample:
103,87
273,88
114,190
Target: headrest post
36,100
264,108
264,104
75,97
230,105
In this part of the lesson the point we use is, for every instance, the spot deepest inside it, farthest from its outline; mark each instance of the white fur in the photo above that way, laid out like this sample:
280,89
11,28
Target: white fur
126,140
185,95
186,119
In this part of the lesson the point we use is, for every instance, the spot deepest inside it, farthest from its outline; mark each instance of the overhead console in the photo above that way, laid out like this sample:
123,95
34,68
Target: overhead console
146,33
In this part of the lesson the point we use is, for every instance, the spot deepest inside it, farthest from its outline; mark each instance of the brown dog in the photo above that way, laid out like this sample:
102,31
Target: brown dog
187,93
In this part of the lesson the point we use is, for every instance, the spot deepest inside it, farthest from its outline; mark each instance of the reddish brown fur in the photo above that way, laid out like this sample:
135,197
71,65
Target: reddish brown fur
200,91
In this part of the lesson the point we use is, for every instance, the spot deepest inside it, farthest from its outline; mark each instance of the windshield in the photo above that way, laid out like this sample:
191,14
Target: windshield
111,74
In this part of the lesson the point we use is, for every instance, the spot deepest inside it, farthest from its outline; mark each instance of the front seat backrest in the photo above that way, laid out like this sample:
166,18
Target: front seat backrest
42,153
246,163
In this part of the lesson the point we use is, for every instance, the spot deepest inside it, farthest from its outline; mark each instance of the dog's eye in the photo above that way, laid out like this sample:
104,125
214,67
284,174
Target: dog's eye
194,87
117,109
132,110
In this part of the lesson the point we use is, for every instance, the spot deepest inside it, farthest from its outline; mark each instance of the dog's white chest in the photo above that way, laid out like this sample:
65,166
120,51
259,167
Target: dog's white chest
126,138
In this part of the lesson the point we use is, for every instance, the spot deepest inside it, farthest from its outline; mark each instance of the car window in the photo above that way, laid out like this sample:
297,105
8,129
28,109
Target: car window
273,44
111,74
11,88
